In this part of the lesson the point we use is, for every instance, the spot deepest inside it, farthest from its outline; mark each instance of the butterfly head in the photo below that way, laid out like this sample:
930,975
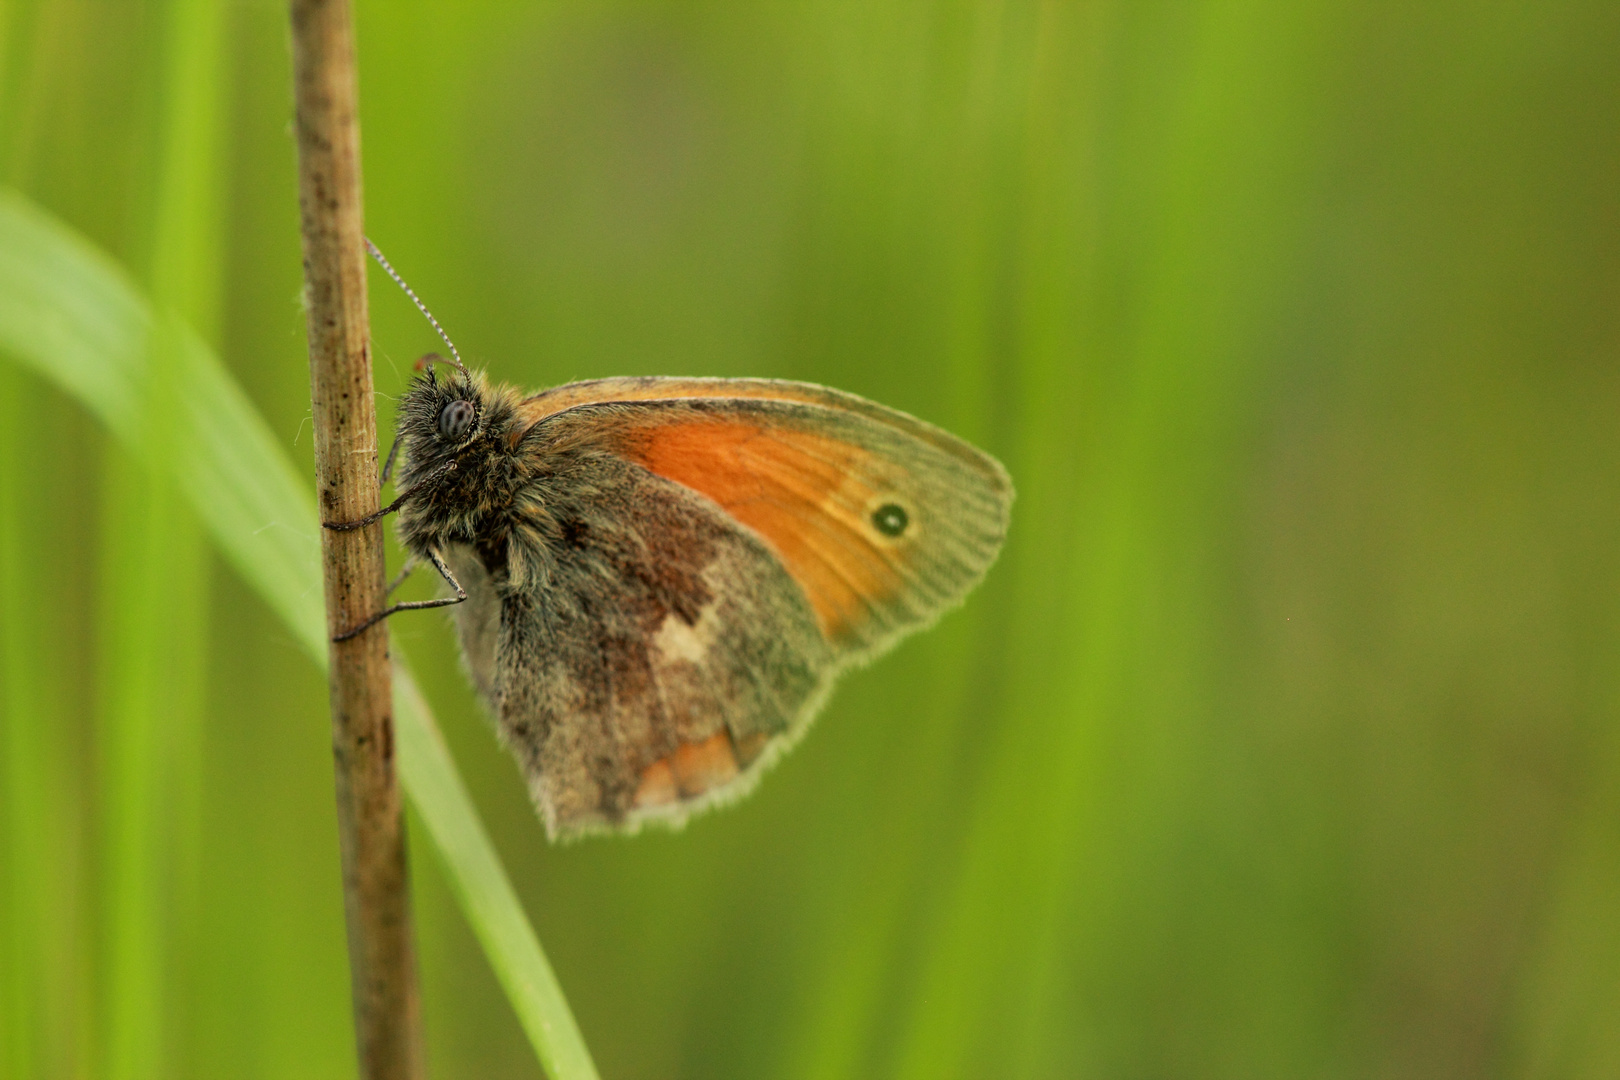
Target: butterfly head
440,419
454,432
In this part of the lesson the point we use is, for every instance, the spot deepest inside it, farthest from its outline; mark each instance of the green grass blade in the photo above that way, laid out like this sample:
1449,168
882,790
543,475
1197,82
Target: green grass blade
68,311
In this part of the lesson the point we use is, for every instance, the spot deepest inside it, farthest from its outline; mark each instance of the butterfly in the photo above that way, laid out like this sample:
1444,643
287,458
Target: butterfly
657,580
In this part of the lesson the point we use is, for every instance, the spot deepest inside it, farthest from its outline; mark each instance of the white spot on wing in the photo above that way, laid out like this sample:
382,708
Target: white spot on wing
675,640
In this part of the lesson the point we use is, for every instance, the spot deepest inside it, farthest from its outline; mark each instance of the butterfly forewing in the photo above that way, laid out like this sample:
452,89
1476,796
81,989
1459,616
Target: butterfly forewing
880,529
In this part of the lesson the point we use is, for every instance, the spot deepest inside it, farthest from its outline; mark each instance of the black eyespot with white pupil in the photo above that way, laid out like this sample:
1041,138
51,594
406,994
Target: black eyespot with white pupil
455,419
890,519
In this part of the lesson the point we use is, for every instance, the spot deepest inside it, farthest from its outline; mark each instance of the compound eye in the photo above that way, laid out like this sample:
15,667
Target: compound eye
456,418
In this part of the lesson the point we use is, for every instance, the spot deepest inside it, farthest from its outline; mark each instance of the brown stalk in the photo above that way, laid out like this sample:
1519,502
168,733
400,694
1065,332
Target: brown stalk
370,826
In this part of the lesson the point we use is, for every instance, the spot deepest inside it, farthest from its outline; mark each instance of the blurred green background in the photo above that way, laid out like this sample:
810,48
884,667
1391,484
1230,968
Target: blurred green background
1281,742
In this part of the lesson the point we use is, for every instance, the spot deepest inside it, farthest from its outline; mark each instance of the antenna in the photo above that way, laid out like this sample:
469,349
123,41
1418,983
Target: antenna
375,254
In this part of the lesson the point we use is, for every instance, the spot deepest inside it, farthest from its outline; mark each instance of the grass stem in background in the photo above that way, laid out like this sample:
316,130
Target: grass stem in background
154,610
24,809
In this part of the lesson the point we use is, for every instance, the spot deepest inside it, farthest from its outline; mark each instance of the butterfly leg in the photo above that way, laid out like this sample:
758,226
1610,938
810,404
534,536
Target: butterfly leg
404,572
432,477
393,452
414,605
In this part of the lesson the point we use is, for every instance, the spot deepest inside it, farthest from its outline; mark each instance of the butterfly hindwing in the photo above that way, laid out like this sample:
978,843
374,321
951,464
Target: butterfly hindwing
665,655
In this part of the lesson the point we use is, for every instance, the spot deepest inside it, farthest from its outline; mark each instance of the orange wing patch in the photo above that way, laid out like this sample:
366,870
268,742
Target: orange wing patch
692,770
696,769
657,787
799,491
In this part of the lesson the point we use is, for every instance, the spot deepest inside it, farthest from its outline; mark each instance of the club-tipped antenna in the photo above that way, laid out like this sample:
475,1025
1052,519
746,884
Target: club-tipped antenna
384,263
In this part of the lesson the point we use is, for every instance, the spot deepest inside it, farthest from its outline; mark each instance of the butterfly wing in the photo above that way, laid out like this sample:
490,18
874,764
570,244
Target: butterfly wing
722,550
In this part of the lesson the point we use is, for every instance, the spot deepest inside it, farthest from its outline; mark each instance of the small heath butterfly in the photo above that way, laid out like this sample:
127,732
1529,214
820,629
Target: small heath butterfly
657,580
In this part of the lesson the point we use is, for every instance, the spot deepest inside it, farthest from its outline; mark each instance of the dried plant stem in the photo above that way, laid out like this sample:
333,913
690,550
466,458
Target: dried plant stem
371,828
